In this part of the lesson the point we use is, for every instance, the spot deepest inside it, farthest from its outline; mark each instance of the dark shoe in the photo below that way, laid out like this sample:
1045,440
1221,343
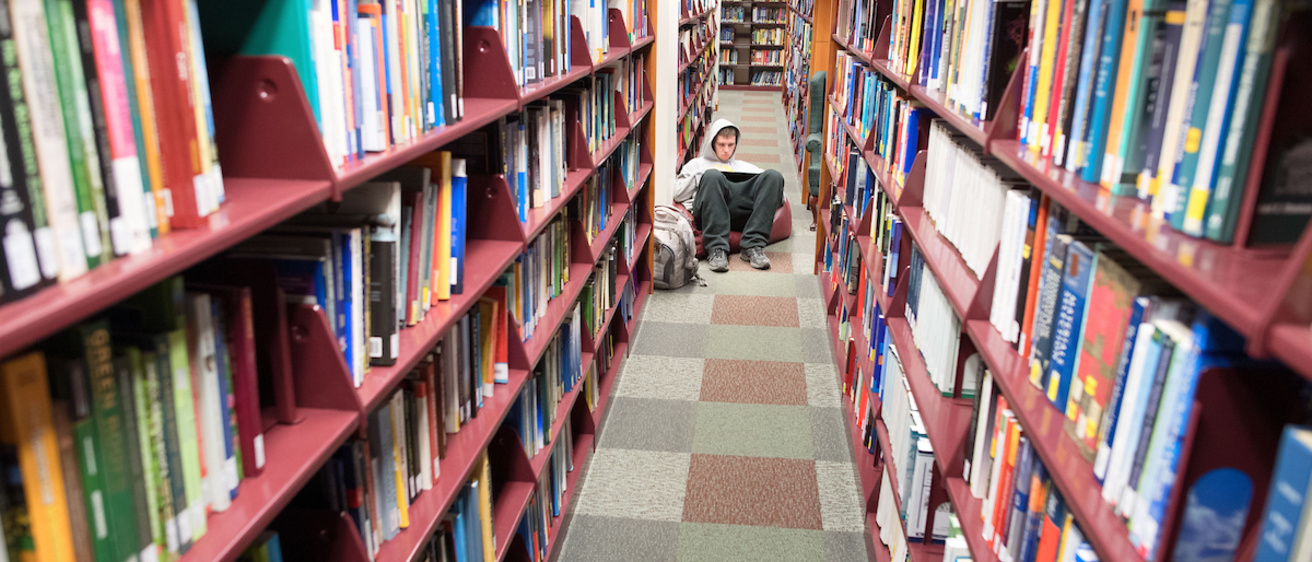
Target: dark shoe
756,257
718,261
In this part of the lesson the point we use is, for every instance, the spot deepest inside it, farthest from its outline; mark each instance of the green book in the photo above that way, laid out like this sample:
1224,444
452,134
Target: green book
93,216
69,379
127,362
1204,81
188,440
160,462
111,428
145,412
179,522
1227,197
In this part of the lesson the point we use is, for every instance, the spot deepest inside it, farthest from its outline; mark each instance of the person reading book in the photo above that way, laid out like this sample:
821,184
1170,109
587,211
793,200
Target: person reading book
726,194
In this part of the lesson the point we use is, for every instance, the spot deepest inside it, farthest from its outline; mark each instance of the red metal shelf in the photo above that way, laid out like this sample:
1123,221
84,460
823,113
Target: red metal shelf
641,114
462,450
609,145
644,174
595,338
598,245
485,260
540,217
582,449
552,84
967,508
1228,279
693,59
946,419
253,205
870,480
1044,425
937,102
641,290
478,112
557,308
507,512
644,42
295,454
539,460
1292,344
607,382
957,281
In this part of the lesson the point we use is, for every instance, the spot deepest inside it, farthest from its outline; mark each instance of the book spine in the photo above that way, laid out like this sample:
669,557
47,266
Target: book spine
1050,290
32,45
1285,503
87,458
112,440
1153,124
1200,101
1068,325
29,423
189,440
147,418
1104,89
158,198
26,266
124,369
164,29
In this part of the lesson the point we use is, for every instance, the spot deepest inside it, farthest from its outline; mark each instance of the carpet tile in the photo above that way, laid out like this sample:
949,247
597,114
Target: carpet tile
779,312
649,424
754,382
725,438
753,430
769,492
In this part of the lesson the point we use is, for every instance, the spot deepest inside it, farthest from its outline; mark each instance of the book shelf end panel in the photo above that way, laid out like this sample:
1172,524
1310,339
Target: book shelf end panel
485,55
322,378
264,126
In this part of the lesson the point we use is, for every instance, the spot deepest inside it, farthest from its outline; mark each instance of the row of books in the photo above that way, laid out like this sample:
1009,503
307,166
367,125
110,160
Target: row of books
1158,102
408,435
629,245
874,107
378,260
696,7
965,194
602,291
767,56
909,451
802,7
95,129
767,78
633,82
127,431
691,41
547,501
768,36
935,327
539,274
535,151
635,17
1025,517
726,34
729,56
733,13
763,14
797,76
534,411
594,202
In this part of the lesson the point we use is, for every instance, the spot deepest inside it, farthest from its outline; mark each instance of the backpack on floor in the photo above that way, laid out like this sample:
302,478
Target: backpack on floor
675,250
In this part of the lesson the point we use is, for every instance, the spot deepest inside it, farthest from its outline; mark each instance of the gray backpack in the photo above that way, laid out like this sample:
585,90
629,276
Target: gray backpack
675,251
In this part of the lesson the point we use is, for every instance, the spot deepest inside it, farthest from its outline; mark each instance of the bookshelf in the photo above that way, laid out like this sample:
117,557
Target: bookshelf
275,167
698,80
756,36
1271,311
805,50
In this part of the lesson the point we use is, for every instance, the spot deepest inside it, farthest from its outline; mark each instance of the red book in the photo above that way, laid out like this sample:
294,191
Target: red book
1049,137
1002,497
165,26
239,319
501,355
412,288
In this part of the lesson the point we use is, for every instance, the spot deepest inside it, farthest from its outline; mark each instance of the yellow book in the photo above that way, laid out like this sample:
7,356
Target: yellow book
484,477
913,46
1129,50
487,312
399,472
25,421
146,109
445,214
1042,90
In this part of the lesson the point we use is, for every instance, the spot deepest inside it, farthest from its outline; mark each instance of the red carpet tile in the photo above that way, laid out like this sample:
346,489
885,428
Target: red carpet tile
780,262
765,130
754,157
759,108
760,101
754,382
764,492
744,310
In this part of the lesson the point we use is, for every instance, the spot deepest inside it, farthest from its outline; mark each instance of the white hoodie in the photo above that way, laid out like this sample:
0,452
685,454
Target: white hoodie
690,177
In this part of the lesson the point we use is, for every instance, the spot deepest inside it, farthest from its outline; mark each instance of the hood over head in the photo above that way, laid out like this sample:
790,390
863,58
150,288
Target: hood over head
708,144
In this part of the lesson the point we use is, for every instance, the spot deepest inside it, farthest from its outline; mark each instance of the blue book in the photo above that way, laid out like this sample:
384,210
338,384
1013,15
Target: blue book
1029,542
1049,295
526,535
353,64
435,117
1020,497
459,532
345,308
1200,99
273,547
1288,494
474,520
1075,146
459,222
912,141
1104,88
225,390
1076,278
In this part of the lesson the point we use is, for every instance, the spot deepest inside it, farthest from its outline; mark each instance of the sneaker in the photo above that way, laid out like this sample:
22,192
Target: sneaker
756,257
718,261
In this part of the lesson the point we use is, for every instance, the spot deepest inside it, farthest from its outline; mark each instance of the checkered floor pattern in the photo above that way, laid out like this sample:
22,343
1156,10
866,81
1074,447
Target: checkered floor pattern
725,440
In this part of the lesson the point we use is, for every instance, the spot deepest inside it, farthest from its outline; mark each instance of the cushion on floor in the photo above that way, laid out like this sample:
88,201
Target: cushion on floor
780,230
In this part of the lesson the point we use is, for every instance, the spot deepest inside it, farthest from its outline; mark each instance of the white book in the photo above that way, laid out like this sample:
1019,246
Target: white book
205,375
1217,111
64,237
427,462
371,130
983,429
1112,465
1172,139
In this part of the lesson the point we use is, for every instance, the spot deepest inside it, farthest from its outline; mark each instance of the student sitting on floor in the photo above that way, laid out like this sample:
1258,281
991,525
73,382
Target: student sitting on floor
727,194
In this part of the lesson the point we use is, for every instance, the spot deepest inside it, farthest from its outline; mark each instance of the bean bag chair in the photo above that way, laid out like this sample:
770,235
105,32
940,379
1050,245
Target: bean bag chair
780,230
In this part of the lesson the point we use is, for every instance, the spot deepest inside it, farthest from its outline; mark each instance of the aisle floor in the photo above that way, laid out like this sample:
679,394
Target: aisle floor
725,439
